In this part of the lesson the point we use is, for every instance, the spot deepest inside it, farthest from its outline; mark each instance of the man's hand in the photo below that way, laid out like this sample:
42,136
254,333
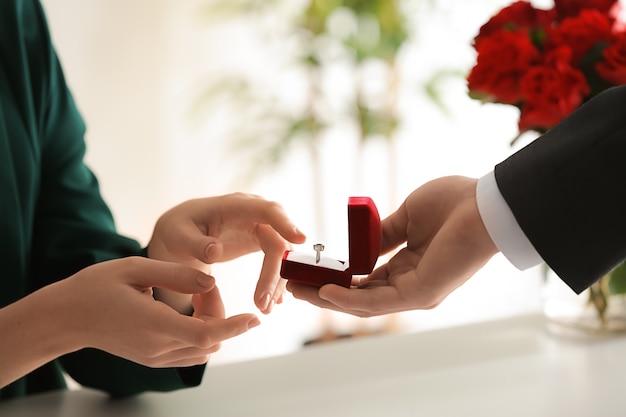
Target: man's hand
446,243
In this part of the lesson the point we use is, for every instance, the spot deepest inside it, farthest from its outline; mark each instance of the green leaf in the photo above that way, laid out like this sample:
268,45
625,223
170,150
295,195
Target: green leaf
617,280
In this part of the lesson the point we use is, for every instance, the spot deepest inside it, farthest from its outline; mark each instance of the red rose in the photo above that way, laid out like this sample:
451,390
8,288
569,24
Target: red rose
613,67
502,59
549,62
519,15
551,91
538,117
582,32
567,8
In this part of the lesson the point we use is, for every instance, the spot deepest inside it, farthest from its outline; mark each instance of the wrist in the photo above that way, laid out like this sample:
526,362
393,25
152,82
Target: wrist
478,231
502,226
33,331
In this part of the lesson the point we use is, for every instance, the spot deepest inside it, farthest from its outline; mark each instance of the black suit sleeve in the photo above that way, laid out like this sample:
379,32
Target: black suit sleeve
567,190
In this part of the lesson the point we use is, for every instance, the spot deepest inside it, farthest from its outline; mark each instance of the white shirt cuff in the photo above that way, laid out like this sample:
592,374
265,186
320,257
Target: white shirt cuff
502,226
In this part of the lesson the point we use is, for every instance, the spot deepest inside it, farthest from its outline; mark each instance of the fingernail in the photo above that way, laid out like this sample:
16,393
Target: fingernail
253,323
298,231
265,301
207,251
270,306
206,281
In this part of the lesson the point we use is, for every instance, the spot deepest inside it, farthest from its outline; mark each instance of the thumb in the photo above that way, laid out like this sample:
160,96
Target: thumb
208,304
194,242
172,276
394,230
223,329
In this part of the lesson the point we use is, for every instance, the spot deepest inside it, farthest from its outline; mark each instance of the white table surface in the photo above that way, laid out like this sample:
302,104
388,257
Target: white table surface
509,367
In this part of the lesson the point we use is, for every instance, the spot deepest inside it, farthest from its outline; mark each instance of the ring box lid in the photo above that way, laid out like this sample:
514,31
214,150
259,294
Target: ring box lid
364,235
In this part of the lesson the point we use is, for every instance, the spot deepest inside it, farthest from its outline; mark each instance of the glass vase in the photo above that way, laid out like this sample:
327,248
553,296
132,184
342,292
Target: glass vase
592,312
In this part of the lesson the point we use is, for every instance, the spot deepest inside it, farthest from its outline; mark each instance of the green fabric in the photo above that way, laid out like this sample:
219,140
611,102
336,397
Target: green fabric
53,221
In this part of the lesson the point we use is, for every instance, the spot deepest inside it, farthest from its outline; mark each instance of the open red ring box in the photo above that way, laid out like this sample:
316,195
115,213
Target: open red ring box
364,241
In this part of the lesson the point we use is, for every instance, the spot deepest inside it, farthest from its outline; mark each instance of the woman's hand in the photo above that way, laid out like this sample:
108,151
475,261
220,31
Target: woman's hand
109,306
216,229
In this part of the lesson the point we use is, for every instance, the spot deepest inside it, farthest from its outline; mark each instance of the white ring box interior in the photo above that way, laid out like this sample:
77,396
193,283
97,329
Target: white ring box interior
364,240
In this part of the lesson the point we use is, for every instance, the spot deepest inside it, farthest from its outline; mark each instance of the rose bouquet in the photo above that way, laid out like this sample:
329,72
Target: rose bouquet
547,63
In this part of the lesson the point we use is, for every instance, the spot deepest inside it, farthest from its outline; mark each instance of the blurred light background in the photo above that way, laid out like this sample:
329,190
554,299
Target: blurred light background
194,98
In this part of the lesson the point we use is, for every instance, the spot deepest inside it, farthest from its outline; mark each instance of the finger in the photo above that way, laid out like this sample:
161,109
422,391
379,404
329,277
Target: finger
275,298
405,260
308,293
311,295
280,290
146,273
219,330
436,276
208,304
381,273
394,230
191,241
182,357
262,211
374,301
270,287
204,332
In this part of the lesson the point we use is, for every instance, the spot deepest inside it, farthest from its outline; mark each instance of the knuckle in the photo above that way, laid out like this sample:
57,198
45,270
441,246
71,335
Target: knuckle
134,262
273,207
179,271
152,352
200,360
432,305
239,195
151,362
205,340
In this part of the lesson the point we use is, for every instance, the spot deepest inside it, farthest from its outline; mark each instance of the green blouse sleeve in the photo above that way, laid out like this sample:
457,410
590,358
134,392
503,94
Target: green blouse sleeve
73,227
